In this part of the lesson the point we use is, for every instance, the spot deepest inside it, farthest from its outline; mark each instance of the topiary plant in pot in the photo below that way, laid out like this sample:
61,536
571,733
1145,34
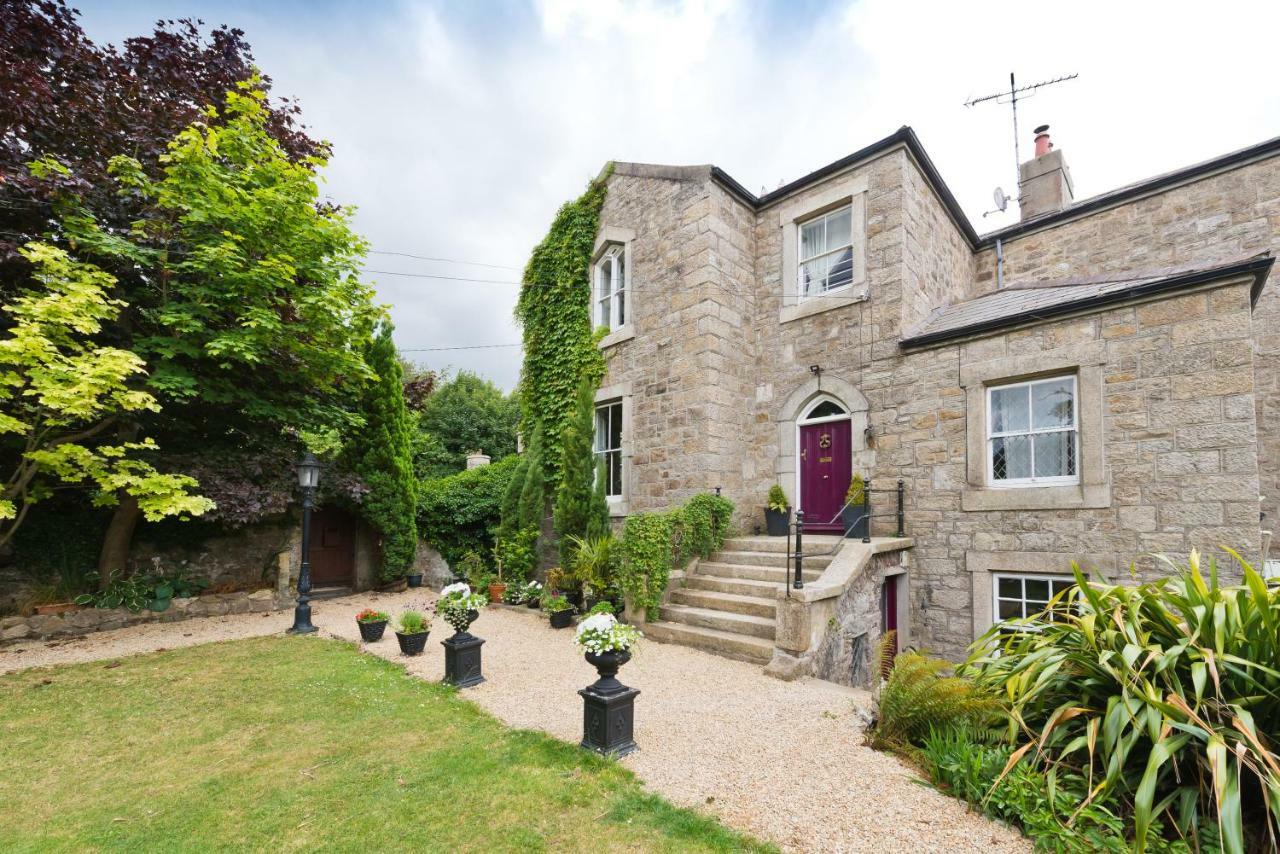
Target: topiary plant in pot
777,512
854,515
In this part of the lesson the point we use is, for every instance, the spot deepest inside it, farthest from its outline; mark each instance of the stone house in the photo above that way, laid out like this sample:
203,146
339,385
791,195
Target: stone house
1095,383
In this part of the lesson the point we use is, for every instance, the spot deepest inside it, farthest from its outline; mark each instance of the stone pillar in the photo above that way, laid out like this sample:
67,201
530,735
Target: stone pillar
476,459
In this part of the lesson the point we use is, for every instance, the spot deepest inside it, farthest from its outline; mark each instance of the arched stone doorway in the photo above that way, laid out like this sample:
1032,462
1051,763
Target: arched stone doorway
822,443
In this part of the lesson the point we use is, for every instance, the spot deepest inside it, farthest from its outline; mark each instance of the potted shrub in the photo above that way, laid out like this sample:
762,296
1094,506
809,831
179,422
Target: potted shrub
593,567
562,582
533,595
854,514
412,630
777,513
496,587
372,624
559,610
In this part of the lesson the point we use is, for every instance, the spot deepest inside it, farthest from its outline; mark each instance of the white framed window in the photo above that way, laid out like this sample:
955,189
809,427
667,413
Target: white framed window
825,253
1032,433
611,288
609,446
1017,597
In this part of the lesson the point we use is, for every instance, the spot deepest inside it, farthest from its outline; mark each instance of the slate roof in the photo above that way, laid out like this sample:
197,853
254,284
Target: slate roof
1020,303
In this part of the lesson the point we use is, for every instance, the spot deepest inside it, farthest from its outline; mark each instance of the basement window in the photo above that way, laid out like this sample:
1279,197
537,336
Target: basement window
1018,597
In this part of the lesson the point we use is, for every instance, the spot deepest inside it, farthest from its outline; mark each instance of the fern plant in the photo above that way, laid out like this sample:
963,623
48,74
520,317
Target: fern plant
920,693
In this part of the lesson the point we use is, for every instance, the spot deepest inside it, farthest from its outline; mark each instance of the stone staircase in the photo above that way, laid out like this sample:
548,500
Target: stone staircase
727,606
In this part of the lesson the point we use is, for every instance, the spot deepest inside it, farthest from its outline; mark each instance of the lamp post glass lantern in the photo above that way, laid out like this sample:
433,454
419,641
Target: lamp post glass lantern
308,479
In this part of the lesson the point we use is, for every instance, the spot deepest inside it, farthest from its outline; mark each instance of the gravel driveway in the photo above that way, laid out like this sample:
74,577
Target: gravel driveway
781,760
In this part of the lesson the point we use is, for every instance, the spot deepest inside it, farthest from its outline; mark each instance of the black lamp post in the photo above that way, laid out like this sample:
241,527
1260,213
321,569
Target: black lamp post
308,479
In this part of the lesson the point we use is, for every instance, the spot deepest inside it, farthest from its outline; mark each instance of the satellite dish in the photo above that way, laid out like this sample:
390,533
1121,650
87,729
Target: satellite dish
1001,200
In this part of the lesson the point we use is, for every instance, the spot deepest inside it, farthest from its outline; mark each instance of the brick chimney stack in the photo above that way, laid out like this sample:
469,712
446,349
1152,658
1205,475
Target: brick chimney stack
1044,182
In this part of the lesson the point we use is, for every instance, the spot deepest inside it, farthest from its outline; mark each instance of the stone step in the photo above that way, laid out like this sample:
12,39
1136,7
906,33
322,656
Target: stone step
734,586
778,559
812,543
330,592
725,621
755,606
727,644
752,573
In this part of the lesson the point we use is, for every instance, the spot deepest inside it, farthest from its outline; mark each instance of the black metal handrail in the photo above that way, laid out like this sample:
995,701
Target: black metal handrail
796,558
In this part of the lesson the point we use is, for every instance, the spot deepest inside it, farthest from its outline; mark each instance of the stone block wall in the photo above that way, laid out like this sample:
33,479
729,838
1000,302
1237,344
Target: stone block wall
87,620
1218,218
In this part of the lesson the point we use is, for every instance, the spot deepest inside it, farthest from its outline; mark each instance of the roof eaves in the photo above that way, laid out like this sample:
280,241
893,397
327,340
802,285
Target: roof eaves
1258,267
1240,157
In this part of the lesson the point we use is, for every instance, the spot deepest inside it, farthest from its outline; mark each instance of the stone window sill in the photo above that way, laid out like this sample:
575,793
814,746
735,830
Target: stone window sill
617,336
817,305
618,507
1073,497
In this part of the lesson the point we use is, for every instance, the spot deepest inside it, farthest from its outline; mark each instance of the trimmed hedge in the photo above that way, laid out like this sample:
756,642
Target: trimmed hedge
460,513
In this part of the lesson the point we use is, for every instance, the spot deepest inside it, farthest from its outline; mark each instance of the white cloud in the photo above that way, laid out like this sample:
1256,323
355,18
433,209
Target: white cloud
459,129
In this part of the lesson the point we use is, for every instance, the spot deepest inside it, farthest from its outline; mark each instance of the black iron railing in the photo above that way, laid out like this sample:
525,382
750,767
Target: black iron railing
862,516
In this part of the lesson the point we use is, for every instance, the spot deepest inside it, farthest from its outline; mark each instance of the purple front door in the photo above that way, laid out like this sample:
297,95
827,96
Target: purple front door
826,465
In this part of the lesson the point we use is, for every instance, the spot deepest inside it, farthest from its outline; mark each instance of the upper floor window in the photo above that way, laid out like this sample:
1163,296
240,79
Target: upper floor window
1032,437
611,289
609,446
826,253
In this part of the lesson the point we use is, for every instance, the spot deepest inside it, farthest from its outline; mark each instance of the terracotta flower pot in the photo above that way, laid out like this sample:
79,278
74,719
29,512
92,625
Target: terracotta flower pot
495,591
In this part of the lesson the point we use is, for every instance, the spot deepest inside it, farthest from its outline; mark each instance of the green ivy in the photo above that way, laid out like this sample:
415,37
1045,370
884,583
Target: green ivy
459,513
560,352
654,543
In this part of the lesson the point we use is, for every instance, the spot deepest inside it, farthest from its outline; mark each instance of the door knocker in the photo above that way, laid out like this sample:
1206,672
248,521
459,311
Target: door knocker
824,441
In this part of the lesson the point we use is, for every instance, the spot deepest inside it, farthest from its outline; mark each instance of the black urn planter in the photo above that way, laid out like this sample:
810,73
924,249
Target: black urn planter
533,603
562,619
777,522
414,580
574,597
608,707
619,605
371,632
855,521
462,664
412,644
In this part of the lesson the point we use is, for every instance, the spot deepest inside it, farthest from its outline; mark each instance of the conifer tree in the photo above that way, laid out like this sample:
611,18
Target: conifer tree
533,492
384,458
581,509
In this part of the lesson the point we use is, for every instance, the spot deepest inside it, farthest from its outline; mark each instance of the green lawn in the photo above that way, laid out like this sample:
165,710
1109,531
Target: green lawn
302,744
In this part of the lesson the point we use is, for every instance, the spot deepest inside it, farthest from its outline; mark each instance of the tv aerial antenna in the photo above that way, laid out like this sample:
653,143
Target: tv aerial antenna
1012,96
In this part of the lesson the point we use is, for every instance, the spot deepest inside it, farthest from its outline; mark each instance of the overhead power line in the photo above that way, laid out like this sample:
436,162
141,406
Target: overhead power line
441,260
444,278
467,347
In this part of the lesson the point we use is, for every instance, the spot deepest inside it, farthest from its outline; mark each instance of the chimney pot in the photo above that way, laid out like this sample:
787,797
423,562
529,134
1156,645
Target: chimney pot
1043,144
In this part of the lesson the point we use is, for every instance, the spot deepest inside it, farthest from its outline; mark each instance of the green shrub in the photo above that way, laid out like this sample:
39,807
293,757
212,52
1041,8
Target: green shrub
919,695
1167,694
857,491
653,543
516,556
459,513
778,499
593,563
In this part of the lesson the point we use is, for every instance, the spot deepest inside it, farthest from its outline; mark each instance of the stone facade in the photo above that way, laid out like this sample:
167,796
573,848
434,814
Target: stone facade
1178,393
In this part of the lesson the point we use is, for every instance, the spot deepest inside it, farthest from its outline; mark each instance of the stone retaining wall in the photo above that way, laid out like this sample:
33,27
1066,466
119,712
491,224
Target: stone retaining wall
85,620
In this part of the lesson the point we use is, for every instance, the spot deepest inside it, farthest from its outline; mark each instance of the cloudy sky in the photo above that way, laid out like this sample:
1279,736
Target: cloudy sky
460,127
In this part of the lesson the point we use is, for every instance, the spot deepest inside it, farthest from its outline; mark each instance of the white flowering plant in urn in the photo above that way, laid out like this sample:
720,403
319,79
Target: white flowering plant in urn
456,603
603,633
